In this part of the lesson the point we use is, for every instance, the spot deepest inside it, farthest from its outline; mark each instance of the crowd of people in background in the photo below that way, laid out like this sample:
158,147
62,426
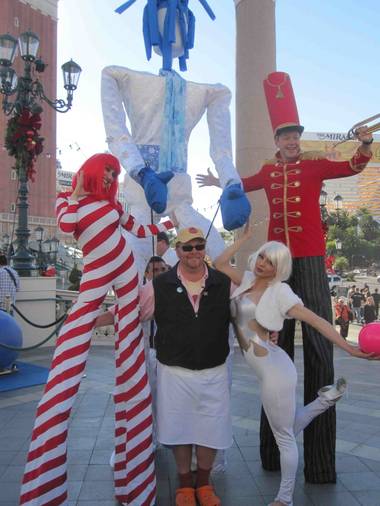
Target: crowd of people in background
361,306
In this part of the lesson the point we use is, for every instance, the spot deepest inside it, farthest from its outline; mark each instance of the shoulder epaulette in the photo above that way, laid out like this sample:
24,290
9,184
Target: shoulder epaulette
304,155
270,161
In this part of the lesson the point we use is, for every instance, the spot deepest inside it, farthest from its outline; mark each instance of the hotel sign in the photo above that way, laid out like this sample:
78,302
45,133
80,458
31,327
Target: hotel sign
333,137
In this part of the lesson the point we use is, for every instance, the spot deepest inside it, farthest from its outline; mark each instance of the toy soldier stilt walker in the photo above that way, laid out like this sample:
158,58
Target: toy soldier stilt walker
292,181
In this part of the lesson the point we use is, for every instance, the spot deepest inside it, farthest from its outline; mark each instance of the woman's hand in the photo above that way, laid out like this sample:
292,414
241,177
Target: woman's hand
247,232
174,219
104,319
273,336
355,351
207,179
79,188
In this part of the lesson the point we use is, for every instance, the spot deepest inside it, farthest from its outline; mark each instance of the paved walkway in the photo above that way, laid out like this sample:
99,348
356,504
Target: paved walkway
245,483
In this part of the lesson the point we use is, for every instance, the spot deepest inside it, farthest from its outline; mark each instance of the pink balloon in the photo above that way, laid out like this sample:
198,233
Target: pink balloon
369,338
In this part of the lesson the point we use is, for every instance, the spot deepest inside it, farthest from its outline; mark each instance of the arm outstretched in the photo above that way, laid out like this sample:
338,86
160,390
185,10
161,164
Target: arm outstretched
222,262
299,312
139,230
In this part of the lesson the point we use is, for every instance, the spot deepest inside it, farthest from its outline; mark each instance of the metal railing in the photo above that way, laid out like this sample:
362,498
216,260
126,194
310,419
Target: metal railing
64,300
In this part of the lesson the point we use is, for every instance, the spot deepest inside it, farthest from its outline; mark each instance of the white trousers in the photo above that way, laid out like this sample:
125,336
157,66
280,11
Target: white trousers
278,379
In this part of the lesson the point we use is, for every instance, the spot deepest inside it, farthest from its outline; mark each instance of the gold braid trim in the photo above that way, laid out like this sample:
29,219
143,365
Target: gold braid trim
312,155
271,161
358,167
369,156
304,155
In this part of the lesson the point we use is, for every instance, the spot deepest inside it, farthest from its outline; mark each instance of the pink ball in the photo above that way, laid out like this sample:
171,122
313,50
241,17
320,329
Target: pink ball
369,338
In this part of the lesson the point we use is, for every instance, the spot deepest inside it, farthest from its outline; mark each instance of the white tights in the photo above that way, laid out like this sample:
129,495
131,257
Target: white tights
278,378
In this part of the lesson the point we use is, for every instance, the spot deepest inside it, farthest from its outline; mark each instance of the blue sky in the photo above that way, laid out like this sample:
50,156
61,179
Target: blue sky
329,48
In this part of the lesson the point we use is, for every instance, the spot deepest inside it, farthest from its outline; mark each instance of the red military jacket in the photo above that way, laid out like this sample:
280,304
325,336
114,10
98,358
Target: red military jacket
293,190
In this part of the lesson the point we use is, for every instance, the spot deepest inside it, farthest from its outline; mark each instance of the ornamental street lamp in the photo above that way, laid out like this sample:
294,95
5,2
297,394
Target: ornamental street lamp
324,212
46,252
325,216
39,233
22,140
6,241
338,204
53,250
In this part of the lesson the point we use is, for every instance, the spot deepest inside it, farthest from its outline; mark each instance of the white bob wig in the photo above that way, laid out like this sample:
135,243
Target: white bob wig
280,257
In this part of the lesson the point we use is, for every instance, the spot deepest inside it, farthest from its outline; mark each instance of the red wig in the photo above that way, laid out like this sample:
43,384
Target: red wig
93,173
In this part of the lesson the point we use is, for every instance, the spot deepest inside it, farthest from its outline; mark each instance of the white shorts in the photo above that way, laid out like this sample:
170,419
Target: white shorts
193,407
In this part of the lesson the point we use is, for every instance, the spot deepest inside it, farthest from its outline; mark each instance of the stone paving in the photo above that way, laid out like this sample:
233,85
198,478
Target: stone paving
244,483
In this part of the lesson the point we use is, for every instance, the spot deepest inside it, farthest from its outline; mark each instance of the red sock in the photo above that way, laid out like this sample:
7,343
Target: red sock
186,480
203,477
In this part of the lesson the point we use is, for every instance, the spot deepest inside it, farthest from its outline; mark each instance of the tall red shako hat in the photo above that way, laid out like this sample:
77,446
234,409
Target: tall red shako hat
281,103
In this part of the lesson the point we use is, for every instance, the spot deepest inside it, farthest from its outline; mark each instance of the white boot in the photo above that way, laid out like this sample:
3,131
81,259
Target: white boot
332,393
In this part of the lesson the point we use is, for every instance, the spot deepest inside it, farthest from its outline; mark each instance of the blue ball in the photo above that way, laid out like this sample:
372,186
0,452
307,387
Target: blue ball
10,334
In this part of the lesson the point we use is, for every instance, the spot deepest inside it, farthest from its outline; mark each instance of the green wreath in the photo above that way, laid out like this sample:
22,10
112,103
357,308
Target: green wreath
23,141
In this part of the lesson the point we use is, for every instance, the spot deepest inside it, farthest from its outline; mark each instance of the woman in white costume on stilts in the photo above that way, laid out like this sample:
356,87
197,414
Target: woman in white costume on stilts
259,305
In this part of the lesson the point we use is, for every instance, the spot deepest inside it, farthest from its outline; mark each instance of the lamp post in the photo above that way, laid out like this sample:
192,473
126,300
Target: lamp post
324,213
323,199
54,243
6,240
338,204
39,232
50,248
46,252
23,141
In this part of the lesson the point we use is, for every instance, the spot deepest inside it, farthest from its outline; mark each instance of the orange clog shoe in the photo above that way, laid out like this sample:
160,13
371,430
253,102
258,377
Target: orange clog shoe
185,497
207,497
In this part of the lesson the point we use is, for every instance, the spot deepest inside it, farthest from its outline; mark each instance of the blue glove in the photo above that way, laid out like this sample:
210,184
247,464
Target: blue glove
235,207
156,191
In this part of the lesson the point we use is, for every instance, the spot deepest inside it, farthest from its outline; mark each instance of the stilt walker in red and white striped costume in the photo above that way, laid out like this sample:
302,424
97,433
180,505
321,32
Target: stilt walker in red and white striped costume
92,214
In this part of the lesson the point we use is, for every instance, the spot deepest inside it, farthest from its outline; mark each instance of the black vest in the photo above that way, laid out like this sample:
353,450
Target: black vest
185,338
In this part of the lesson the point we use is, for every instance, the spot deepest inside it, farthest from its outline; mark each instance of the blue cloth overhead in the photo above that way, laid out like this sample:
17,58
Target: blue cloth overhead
151,31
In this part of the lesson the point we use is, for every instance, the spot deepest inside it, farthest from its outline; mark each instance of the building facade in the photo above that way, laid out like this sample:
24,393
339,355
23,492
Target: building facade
361,190
40,17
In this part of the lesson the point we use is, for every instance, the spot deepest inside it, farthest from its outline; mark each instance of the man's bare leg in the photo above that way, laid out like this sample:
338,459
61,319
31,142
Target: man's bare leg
205,457
182,455
204,491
